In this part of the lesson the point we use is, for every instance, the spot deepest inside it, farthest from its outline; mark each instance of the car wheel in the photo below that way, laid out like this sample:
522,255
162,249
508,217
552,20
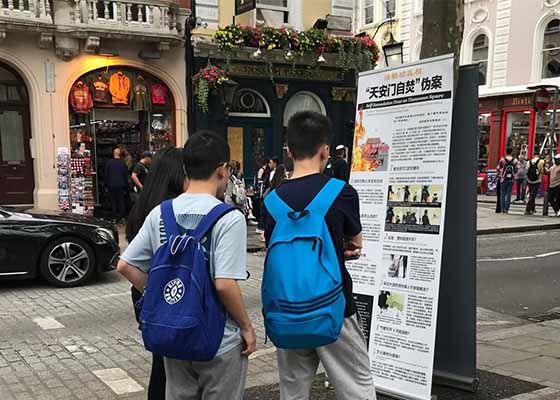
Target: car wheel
67,262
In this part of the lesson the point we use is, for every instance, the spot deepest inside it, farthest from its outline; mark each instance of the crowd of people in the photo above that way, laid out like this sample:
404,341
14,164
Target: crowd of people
190,185
529,177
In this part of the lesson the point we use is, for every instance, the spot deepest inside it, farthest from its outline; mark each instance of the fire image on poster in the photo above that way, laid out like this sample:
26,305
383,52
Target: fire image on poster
400,162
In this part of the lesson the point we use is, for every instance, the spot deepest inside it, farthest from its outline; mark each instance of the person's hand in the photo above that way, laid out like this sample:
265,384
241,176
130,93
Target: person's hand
351,250
250,340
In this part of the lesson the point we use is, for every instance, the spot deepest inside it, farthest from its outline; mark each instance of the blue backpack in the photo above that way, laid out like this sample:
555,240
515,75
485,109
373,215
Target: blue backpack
181,316
302,294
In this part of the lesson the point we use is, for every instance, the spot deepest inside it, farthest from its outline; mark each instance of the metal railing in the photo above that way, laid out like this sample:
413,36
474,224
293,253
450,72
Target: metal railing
26,10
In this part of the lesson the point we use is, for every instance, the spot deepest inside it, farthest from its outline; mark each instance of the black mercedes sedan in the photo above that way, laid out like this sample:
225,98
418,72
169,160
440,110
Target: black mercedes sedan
65,249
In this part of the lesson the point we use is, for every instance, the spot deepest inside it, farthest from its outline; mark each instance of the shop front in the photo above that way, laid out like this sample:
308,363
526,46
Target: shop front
112,107
510,122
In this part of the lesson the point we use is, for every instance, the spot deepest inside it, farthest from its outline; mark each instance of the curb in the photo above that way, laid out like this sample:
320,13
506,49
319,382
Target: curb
518,229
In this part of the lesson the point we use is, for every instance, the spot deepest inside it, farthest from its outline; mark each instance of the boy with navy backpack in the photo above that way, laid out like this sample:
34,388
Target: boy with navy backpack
187,259
312,224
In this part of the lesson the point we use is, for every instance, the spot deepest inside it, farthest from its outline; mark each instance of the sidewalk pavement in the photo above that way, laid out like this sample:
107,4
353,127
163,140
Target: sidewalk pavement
488,222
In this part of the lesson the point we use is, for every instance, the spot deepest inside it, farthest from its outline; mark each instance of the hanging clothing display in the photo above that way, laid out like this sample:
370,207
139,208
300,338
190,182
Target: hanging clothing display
141,95
100,88
80,98
119,86
159,94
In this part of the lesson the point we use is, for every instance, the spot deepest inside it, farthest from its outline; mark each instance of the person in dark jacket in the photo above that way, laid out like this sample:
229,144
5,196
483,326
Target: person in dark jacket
116,180
338,167
166,181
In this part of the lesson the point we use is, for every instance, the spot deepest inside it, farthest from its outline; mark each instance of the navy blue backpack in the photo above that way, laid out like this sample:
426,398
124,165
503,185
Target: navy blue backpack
181,316
302,293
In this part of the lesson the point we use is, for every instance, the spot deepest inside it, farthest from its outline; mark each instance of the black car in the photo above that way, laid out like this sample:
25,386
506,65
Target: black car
65,249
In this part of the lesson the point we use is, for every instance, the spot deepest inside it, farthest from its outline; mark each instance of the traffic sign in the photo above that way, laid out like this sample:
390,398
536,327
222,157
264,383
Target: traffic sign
541,100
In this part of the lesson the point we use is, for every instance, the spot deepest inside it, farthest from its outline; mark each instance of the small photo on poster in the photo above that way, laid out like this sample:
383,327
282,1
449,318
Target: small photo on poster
396,265
414,195
413,220
364,304
391,306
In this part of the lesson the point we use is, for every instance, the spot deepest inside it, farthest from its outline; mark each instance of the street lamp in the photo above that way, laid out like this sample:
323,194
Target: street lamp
228,89
393,52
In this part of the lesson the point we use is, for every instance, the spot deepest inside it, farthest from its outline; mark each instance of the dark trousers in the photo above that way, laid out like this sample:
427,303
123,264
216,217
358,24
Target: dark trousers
118,202
156,387
554,198
533,191
521,189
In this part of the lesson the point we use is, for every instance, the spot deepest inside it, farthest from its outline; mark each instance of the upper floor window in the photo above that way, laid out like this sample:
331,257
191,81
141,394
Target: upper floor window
551,50
368,12
389,9
480,55
273,12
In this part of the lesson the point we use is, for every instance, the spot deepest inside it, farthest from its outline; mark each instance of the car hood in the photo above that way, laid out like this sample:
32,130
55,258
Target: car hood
63,216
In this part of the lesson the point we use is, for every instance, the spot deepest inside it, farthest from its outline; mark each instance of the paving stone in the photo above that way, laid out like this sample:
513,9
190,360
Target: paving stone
519,342
492,356
545,368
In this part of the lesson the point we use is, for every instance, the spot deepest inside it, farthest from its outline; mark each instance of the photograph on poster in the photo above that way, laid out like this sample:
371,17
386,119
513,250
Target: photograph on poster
413,219
370,153
391,304
396,265
422,195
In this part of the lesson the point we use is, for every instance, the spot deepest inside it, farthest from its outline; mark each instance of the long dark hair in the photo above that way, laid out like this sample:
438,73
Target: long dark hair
278,177
165,181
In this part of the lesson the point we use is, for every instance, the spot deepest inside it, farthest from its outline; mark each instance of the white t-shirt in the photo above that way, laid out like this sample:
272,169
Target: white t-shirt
228,245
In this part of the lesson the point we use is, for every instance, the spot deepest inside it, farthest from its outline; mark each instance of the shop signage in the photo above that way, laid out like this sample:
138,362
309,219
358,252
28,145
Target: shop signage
243,6
400,168
525,100
541,99
285,72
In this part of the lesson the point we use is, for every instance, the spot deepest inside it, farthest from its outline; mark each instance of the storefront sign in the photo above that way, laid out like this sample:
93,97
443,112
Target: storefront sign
400,169
524,100
541,100
285,72
243,6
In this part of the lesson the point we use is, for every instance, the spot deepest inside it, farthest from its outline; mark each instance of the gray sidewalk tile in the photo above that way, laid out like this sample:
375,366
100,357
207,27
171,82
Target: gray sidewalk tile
493,356
545,368
519,342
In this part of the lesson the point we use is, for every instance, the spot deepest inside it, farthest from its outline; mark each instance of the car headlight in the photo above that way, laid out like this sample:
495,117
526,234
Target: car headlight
103,235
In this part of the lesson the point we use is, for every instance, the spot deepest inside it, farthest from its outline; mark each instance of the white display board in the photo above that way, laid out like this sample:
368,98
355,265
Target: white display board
400,167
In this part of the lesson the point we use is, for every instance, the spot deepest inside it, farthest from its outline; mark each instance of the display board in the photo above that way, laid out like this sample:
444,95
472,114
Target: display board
400,167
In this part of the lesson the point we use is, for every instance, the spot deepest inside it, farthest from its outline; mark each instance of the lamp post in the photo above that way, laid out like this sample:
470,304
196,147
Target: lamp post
393,52
228,89
550,135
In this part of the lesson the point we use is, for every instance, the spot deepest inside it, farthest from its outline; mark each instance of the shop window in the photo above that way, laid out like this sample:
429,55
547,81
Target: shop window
249,103
480,56
11,136
389,9
483,141
551,50
542,127
368,7
273,12
303,101
517,132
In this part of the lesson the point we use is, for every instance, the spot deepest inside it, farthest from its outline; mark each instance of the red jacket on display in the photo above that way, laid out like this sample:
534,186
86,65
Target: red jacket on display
100,88
159,94
80,98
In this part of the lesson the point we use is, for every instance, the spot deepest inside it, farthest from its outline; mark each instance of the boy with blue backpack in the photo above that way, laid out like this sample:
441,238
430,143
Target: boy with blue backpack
187,259
312,225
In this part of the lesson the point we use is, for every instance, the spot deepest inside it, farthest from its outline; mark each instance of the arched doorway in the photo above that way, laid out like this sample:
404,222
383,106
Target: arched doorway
117,106
17,180
249,131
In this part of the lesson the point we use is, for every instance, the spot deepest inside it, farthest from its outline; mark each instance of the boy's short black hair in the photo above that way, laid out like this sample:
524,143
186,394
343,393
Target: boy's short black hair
307,132
509,150
203,153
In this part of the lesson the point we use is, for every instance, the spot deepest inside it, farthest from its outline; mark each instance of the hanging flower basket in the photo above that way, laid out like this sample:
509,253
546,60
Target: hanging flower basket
207,79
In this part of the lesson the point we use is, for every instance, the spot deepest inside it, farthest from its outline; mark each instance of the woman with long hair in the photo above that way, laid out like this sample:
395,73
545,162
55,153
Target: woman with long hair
166,180
277,179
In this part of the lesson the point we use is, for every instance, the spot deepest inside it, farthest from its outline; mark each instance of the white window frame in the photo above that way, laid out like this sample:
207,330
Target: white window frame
418,7
253,115
384,9
468,47
538,44
363,22
293,8
306,93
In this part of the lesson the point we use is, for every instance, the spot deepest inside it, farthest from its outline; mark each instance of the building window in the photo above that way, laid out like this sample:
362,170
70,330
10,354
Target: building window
249,103
551,50
389,9
480,55
368,12
273,12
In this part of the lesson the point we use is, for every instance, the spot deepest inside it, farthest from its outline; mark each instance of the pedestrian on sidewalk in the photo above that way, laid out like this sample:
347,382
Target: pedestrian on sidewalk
140,172
535,169
116,180
521,179
205,157
346,359
554,189
507,167
167,180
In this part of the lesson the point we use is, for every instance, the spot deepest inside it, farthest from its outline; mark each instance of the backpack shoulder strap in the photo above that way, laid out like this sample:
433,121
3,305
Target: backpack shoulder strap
168,217
326,197
276,207
210,220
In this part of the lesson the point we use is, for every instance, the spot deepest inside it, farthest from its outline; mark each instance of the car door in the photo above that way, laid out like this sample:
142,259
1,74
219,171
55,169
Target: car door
18,245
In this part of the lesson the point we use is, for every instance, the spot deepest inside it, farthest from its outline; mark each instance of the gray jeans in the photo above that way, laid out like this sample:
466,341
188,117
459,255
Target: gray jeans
346,362
223,378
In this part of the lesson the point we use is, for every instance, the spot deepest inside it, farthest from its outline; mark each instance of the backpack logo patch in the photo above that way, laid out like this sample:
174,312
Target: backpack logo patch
174,291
